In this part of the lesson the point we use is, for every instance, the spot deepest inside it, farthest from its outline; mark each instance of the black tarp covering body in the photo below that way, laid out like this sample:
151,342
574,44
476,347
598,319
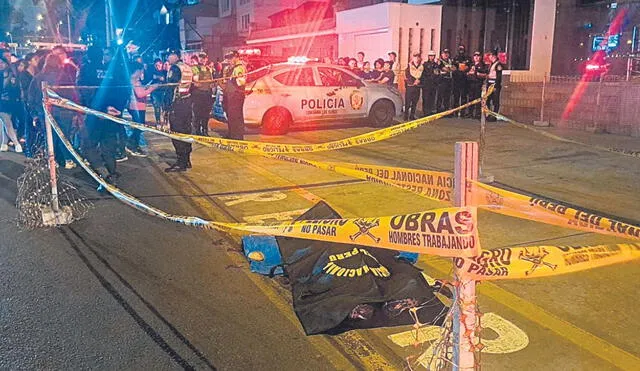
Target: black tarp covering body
329,280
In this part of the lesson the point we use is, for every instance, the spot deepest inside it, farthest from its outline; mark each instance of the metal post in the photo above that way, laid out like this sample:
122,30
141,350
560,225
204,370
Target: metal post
596,112
544,87
107,22
464,315
55,206
483,122
69,20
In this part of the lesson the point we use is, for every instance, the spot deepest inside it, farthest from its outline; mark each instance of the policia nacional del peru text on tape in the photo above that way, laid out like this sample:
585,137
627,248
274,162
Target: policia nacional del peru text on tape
450,232
541,261
550,212
436,185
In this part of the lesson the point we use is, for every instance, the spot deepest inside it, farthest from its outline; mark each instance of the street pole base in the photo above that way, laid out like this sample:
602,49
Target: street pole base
542,124
52,218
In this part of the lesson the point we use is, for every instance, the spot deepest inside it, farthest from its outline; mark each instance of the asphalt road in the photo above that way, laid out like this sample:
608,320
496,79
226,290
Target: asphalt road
120,289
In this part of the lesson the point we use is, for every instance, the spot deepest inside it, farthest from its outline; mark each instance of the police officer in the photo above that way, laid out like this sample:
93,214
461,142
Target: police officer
446,67
202,95
494,78
413,73
476,76
101,141
460,87
180,116
430,74
234,97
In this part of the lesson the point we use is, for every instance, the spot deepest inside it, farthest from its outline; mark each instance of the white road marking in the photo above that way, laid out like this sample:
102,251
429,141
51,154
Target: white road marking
280,217
253,197
510,338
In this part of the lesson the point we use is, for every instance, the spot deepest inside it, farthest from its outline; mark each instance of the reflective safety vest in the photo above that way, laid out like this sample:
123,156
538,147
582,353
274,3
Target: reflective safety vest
186,80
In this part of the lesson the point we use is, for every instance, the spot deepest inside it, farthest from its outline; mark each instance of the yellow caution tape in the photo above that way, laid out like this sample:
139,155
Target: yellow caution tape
550,212
263,148
619,151
541,261
445,232
436,185
432,185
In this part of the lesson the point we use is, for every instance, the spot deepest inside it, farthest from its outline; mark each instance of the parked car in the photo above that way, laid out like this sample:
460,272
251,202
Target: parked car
282,95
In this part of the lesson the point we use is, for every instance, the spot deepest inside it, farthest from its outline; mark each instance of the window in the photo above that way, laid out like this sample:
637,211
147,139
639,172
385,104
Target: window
225,5
296,77
432,38
258,74
336,77
244,2
245,22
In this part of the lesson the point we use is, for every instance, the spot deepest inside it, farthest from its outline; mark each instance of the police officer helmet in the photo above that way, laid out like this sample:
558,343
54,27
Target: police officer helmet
477,53
445,51
431,53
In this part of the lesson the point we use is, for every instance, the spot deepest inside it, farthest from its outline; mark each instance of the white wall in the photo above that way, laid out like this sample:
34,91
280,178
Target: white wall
544,21
375,30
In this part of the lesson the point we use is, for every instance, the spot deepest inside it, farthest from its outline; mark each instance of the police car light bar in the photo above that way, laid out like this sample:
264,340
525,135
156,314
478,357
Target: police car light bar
300,59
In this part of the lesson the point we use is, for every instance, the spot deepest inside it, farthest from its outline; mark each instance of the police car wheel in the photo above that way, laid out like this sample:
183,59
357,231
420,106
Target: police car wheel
276,121
382,113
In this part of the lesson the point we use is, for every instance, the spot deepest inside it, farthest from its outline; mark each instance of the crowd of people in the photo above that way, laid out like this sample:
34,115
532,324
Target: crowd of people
112,80
109,80
442,82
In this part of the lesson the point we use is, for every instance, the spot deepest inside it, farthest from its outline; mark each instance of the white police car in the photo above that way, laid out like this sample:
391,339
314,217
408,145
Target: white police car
282,94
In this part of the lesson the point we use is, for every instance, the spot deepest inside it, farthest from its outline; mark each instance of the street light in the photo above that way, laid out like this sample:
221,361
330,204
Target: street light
40,17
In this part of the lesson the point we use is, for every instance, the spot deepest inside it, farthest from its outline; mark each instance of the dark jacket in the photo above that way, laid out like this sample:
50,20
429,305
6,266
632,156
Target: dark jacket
430,72
90,74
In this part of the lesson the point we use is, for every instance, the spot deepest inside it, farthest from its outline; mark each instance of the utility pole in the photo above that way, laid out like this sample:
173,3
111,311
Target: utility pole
108,25
69,20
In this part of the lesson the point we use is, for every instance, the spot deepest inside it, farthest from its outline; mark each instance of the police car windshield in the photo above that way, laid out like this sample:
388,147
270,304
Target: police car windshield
257,74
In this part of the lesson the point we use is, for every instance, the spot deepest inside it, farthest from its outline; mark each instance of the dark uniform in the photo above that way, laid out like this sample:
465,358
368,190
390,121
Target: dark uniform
462,63
101,141
430,75
413,74
445,65
181,114
476,76
495,78
233,102
202,99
